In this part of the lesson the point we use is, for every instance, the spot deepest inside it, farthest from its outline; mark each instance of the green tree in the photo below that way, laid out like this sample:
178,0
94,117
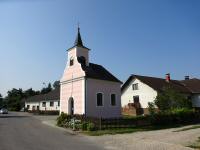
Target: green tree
151,108
56,84
170,99
14,98
47,89
1,101
30,92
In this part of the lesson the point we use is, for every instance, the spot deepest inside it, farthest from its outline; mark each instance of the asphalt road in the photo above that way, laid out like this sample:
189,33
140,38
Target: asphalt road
19,131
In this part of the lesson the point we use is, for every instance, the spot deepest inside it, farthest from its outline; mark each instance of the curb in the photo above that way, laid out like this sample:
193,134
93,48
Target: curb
61,128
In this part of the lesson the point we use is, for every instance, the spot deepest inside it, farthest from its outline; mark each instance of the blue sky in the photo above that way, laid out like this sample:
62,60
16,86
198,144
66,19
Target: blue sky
146,37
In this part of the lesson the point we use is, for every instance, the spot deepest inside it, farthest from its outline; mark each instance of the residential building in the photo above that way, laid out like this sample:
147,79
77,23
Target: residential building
44,102
194,86
86,88
139,90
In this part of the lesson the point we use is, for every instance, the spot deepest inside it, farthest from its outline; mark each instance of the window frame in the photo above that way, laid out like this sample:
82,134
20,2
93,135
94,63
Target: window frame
71,61
44,104
138,98
135,86
102,99
111,99
51,103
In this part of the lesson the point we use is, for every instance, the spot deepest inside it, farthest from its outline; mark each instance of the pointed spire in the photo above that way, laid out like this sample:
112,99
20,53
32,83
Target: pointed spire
78,41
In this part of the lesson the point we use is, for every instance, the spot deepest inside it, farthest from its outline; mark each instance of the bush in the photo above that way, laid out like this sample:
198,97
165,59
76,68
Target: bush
62,119
91,126
151,108
170,99
84,126
175,117
73,122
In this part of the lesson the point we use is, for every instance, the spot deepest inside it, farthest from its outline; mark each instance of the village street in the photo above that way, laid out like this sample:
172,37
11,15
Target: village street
21,131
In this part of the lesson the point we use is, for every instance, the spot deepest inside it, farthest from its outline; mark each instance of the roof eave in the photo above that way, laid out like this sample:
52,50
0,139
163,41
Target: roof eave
78,46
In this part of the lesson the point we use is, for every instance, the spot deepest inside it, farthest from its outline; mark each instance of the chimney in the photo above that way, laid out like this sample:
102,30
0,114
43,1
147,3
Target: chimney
167,77
187,77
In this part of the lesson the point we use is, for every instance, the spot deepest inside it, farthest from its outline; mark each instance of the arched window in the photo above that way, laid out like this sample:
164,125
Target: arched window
99,99
113,100
71,63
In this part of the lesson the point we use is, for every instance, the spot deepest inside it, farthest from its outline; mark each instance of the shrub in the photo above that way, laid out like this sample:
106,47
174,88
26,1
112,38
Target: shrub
84,126
62,119
70,123
171,99
91,126
151,108
175,117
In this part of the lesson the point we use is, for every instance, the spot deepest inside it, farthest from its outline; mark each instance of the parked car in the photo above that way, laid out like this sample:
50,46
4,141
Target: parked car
3,111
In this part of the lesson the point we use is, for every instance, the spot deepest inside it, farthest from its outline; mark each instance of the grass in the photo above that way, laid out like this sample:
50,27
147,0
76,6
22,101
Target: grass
196,145
114,131
188,128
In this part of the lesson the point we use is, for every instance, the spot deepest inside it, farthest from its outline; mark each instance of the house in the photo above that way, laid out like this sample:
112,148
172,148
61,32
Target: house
44,102
194,86
140,90
87,88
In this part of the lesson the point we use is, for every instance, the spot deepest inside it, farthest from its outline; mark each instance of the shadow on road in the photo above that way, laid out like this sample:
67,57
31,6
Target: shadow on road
12,116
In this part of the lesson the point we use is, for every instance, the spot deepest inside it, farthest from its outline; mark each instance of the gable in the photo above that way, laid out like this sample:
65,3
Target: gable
141,87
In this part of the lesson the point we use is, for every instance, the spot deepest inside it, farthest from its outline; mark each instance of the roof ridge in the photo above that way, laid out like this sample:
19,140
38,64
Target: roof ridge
148,76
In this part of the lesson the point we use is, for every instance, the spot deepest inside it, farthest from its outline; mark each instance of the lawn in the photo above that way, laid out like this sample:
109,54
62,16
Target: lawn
188,128
196,145
114,131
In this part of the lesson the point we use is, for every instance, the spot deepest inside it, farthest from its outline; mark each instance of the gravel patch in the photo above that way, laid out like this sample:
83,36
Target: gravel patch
149,140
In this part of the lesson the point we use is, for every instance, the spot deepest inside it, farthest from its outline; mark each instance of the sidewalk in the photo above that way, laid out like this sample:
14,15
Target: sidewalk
51,121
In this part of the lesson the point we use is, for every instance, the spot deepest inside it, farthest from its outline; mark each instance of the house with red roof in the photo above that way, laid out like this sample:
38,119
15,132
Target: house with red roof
138,90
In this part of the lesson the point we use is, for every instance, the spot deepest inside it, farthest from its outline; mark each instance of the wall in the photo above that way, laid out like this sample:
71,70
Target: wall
72,84
146,94
83,52
48,107
74,71
196,100
55,107
31,104
73,89
94,86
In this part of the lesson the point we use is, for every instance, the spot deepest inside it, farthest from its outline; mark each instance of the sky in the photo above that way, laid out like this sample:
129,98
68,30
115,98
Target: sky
144,37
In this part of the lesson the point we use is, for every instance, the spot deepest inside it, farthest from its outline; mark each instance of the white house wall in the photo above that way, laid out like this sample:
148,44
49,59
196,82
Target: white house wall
196,100
31,104
146,94
48,107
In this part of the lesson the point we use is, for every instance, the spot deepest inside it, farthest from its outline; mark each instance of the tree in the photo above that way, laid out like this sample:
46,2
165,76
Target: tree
14,98
170,99
56,84
30,92
1,101
47,89
151,108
